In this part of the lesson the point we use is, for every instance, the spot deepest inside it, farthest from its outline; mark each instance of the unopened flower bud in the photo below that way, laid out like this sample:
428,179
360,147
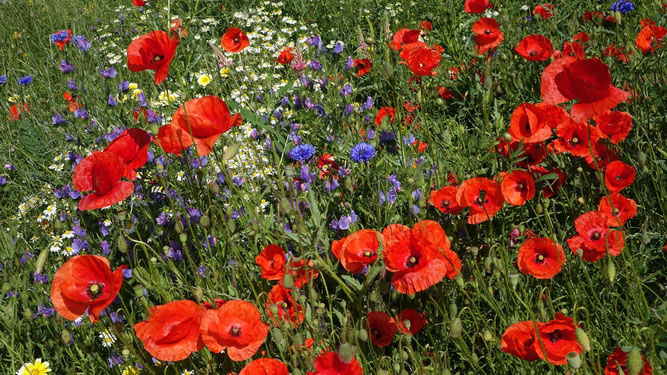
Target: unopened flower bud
610,271
199,294
574,360
582,337
214,188
66,337
179,227
634,361
183,237
346,352
487,335
278,337
288,281
453,309
205,221
121,244
456,328
41,260
514,279
362,334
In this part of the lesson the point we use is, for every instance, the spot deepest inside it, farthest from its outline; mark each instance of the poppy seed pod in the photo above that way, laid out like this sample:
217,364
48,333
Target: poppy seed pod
346,352
205,221
582,337
514,279
456,328
574,360
634,361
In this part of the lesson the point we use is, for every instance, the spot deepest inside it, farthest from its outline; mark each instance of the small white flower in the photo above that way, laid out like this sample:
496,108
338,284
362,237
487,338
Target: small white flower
107,337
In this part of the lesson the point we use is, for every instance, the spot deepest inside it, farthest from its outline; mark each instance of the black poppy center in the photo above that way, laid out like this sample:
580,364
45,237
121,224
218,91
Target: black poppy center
157,58
555,336
444,204
235,330
596,236
532,53
412,261
540,258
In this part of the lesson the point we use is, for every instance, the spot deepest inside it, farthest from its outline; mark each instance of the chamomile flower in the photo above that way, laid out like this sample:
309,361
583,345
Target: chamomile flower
204,80
36,368
107,338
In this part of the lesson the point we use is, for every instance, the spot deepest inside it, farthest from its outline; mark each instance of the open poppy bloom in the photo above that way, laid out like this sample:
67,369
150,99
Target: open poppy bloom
541,257
535,48
101,172
331,363
234,40
138,3
650,38
601,156
444,200
236,327
285,56
381,328
363,66
483,196
544,10
419,257
132,146
171,331
302,271
576,138
519,341
15,111
152,51
487,35
618,360
476,6
531,153
422,60
615,125
594,238
410,321
517,187
529,123
265,366
618,209
199,121
357,250
384,112
287,309
586,80
558,338
552,115
618,176
61,38
272,261
404,36
85,283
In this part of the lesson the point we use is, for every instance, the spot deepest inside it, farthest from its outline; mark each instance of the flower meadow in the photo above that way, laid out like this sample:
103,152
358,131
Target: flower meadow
333,187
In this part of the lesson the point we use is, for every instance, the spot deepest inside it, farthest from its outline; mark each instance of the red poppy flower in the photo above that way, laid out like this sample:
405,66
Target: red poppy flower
586,80
101,172
327,165
618,176
488,35
85,283
618,209
410,321
592,227
528,123
381,328
519,341
234,40
363,66
544,10
535,48
171,331
576,138
483,196
517,187
594,17
573,49
404,36
132,146
594,238
419,257
615,243
302,271
285,56
619,358
541,257
236,327
61,43
476,6
138,3
422,61
152,51
615,125
551,185
409,47
16,110
552,115
444,200
272,261
558,339
620,53
287,309
445,93
650,38
384,112
265,366
425,26
601,156
357,250
200,122
331,363
531,153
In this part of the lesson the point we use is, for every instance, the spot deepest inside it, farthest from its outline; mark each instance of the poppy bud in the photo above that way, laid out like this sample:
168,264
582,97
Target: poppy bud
362,335
138,290
456,328
543,314
382,372
539,209
619,18
199,294
459,280
573,359
507,136
214,188
453,309
159,168
155,129
474,358
348,183
121,216
373,297
27,315
346,352
404,355
125,353
231,151
581,200
183,237
277,337
296,371
579,169
582,337
58,225
66,337
642,157
121,244
487,335
440,101
645,238
514,279
41,260
205,221
274,309
231,224
474,250
634,361
285,207
288,281
419,96
369,40
388,71
397,367
610,271
580,253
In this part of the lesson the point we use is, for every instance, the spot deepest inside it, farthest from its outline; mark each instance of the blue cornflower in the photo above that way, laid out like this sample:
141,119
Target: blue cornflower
623,6
82,43
302,152
124,86
349,63
58,119
25,81
65,67
60,36
338,48
3,79
362,152
346,90
109,73
315,65
112,101
71,84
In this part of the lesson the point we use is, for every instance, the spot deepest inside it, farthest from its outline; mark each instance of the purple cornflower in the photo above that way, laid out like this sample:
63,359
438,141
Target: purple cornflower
315,65
109,73
58,119
362,152
65,67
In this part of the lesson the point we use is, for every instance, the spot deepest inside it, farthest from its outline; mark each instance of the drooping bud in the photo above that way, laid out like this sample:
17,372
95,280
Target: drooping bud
121,244
456,328
278,337
41,260
363,335
183,237
582,337
453,309
346,352
487,335
514,279
205,221
610,271
214,188
179,227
